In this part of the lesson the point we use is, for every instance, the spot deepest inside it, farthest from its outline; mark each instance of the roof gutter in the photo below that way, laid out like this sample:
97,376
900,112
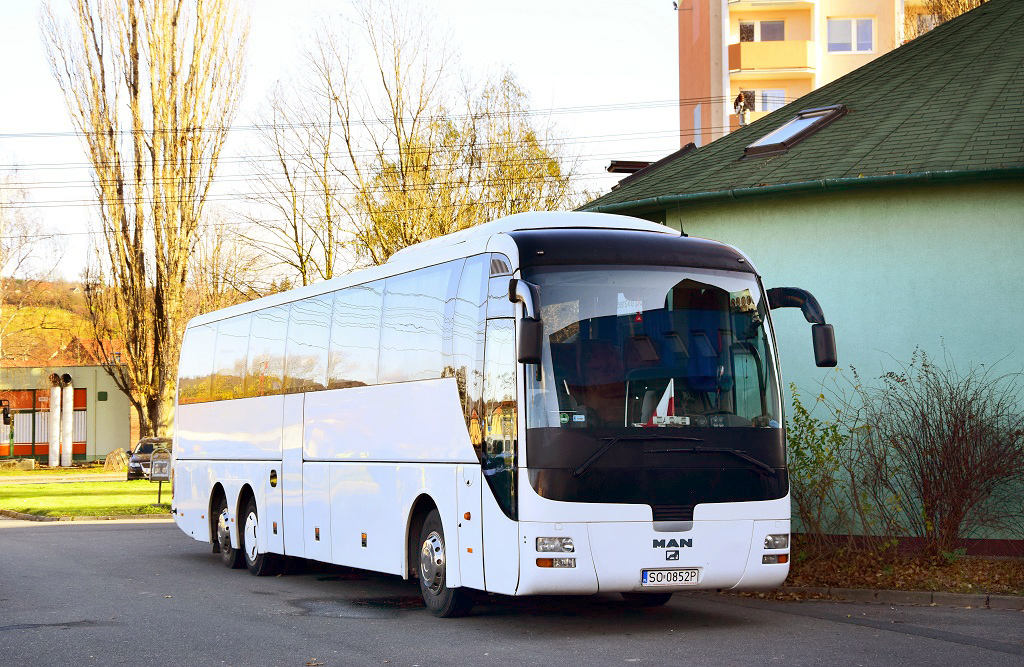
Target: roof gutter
823,185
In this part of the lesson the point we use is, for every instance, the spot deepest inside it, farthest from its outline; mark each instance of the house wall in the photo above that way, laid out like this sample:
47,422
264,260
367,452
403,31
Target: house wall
894,269
108,426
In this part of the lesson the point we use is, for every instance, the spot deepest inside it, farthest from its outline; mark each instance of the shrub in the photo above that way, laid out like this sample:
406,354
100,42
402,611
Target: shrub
945,448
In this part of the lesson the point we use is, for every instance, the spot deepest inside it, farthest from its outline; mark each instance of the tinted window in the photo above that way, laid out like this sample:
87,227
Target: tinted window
500,414
309,334
468,344
413,326
355,336
230,357
266,352
195,366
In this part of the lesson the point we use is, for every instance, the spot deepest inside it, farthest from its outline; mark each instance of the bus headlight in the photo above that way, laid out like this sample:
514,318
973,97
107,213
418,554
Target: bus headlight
776,541
560,544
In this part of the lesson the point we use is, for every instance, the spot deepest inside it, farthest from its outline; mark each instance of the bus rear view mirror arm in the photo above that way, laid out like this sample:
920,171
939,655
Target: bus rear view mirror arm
530,328
822,335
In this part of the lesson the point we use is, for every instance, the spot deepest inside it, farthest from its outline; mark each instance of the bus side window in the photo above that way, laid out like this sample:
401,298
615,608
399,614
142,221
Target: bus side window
468,345
501,414
265,367
355,336
195,368
309,335
230,357
498,304
413,325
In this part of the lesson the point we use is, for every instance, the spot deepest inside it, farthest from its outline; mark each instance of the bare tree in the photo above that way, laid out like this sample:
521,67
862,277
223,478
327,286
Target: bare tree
222,272
923,17
28,256
395,145
152,87
301,192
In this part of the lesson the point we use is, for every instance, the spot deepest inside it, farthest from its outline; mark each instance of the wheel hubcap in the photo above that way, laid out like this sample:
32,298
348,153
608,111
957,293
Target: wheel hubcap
223,532
250,536
432,562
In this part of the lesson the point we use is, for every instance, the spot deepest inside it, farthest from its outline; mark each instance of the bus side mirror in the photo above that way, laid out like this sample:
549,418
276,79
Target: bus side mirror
531,331
822,336
7,415
824,345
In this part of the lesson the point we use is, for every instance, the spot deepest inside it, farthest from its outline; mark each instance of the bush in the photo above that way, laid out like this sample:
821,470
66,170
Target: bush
945,448
926,451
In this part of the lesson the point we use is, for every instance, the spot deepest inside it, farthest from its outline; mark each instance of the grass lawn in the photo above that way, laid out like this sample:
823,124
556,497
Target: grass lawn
44,472
85,498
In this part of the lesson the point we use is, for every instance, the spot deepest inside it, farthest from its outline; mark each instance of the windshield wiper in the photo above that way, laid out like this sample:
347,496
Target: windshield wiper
717,450
583,467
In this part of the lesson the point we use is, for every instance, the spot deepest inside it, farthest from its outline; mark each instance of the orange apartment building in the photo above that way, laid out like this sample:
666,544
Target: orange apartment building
775,51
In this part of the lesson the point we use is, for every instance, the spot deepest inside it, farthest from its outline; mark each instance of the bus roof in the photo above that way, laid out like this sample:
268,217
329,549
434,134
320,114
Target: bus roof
534,220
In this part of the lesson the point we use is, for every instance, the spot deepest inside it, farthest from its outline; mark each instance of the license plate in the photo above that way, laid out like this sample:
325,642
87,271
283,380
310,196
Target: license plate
683,577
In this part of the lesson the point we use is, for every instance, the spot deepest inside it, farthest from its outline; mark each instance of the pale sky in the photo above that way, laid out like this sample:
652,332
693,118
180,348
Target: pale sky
614,63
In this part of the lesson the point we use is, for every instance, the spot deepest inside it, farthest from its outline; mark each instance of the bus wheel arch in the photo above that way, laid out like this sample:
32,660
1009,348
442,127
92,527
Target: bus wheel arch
217,497
421,508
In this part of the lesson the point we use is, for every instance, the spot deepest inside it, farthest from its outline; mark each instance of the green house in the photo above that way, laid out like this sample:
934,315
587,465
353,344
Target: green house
894,194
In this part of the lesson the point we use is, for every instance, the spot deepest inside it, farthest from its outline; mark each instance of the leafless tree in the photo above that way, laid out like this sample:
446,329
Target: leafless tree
151,87
29,254
394,144
923,17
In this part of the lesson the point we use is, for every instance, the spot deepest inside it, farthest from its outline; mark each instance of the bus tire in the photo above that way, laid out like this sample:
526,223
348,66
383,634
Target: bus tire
230,556
259,564
646,599
441,601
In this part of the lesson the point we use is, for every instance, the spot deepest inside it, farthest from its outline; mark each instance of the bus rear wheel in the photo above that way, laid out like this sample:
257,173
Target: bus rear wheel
442,601
259,564
646,599
230,556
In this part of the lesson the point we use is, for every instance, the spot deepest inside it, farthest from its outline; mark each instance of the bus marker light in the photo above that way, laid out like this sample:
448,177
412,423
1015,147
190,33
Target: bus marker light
466,516
469,550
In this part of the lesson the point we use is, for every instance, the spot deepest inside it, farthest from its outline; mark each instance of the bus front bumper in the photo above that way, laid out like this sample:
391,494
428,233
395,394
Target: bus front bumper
614,556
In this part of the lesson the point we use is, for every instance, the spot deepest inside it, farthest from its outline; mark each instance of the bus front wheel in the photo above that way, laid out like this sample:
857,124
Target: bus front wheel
259,564
440,600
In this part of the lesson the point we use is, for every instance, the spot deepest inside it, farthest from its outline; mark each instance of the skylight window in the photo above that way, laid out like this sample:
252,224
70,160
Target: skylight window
805,124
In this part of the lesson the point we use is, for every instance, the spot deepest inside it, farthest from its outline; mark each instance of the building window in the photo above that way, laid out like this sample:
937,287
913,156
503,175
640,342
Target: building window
696,126
762,31
768,99
851,35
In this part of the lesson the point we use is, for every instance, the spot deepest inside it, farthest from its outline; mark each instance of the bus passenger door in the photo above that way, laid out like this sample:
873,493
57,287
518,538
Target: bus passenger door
471,556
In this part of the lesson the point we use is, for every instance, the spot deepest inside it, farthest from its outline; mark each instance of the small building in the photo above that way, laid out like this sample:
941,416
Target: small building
895,194
102,413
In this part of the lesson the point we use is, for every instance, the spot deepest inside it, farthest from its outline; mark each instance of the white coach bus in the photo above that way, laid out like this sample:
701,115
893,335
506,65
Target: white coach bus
550,403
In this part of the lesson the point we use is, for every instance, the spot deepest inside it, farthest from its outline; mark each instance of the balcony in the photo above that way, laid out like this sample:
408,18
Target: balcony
790,55
776,5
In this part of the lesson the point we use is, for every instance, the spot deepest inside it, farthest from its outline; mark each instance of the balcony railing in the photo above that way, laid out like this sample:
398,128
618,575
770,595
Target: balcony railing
790,54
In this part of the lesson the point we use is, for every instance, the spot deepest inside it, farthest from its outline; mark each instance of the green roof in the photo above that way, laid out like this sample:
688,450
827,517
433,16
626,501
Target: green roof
948,105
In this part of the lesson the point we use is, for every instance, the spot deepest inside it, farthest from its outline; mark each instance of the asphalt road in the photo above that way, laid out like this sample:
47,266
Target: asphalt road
142,593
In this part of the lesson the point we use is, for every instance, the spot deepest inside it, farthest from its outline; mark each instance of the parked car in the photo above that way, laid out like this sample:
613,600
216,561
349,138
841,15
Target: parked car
142,452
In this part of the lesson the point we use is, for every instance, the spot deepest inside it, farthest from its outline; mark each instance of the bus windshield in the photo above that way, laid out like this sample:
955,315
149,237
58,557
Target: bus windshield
639,348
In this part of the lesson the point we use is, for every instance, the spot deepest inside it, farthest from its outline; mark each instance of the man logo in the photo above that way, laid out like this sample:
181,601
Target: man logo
672,555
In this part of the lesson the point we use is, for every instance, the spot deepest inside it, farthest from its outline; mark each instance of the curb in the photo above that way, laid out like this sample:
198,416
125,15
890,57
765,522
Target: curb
923,598
11,514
